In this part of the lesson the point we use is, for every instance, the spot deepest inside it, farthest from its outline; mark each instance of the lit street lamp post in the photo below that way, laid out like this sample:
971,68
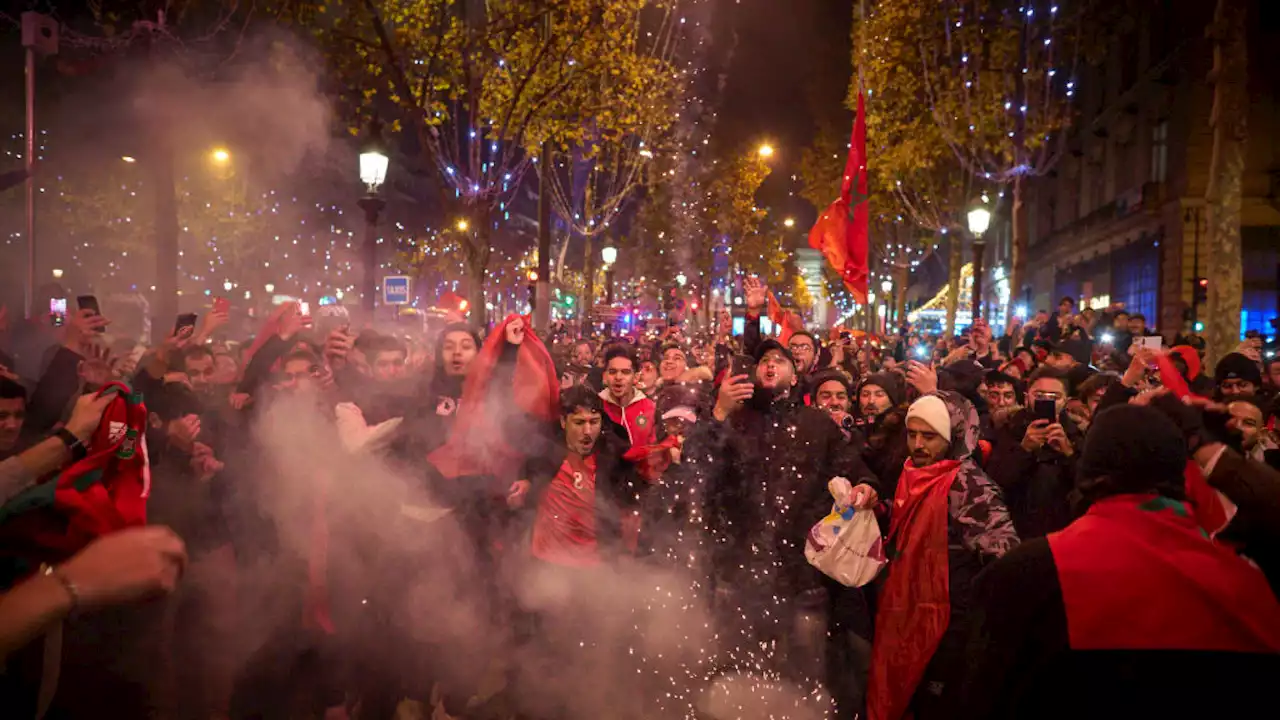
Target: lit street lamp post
373,172
979,221
609,254
887,286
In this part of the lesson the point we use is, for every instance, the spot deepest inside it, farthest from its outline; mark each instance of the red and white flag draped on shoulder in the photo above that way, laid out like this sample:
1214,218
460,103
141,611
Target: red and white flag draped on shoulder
842,229
478,443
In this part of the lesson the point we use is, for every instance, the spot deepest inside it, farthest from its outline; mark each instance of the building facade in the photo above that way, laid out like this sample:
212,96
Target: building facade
1121,217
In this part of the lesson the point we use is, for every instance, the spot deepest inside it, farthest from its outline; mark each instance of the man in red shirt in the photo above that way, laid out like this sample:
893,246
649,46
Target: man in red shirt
581,493
624,405
580,496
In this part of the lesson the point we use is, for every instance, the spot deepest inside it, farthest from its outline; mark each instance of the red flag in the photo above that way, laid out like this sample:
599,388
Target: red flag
843,228
776,314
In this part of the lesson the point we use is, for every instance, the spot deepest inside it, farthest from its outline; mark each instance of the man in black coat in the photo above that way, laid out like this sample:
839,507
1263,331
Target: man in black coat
765,490
1033,459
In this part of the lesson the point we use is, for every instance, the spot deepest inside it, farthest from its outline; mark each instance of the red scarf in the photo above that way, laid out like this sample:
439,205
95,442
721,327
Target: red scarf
477,444
1138,574
915,604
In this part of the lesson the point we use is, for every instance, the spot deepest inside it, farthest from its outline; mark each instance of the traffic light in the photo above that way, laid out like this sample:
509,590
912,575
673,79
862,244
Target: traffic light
1201,291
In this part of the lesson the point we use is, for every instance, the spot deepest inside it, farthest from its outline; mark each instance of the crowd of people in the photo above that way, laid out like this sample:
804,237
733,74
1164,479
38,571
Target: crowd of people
327,519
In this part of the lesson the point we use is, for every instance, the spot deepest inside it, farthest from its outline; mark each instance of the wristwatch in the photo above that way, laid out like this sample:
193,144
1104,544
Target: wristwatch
74,446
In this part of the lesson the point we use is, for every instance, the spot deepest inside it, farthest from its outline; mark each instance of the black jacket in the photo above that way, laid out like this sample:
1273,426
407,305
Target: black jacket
768,486
1036,485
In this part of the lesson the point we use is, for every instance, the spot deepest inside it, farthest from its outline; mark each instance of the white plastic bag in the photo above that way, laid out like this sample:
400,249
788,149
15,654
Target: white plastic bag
846,545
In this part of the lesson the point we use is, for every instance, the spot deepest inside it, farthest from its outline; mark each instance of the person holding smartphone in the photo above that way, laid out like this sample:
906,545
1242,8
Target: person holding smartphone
1033,457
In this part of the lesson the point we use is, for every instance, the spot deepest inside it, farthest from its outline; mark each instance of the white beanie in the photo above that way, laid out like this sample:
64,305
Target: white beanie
933,411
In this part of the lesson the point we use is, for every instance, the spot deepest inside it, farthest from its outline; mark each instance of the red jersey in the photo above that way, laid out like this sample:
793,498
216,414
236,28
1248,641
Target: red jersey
565,529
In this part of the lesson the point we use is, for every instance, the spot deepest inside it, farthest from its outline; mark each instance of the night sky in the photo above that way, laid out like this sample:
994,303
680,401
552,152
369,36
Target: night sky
791,62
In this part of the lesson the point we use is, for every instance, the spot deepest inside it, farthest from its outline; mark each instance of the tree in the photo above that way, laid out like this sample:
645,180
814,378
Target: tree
1228,120
481,87
621,139
174,45
731,218
998,77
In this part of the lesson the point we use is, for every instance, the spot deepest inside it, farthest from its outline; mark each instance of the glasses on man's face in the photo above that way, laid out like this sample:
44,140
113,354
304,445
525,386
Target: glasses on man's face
1046,395
800,348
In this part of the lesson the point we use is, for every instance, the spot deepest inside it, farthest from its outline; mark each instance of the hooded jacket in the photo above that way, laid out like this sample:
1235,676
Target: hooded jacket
638,417
948,522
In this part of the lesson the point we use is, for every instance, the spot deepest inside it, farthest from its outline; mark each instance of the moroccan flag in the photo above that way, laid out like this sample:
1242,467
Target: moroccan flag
842,230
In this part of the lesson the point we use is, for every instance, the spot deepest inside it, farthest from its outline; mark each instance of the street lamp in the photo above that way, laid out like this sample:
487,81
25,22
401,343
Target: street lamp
218,155
129,159
609,254
979,221
463,225
373,172
765,151
789,222
269,287
681,279
227,285
57,273
886,286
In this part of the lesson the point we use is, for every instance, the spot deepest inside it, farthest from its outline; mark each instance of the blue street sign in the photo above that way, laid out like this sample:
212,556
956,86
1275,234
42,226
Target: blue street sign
395,290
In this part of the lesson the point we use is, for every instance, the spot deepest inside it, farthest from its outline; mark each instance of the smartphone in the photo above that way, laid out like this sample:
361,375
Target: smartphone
1045,410
1154,343
221,305
742,365
304,308
185,320
89,302
332,317
58,311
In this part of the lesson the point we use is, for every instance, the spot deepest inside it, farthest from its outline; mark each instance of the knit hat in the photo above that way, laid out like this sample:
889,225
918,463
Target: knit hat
1132,449
1237,366
891,383
933,411
819,379
963,376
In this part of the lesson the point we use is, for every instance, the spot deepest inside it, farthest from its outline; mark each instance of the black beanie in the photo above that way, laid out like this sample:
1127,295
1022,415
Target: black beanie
817,380
1132,449
891,383
1235,365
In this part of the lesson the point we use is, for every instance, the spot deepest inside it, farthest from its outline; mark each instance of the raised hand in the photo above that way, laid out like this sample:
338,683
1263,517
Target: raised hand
82,330
756,293
515,331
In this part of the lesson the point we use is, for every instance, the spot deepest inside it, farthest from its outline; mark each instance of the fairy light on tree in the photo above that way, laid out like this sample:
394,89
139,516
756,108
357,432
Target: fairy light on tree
1000,81
598,171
